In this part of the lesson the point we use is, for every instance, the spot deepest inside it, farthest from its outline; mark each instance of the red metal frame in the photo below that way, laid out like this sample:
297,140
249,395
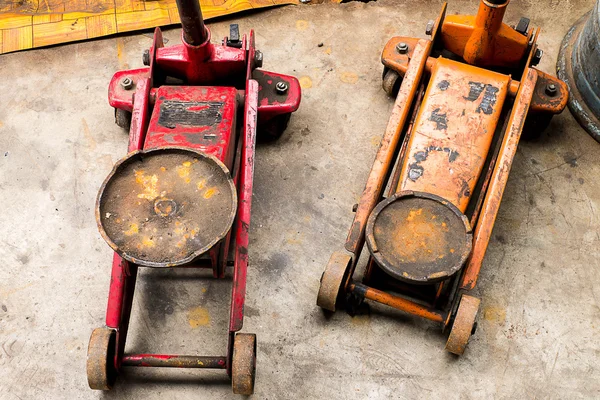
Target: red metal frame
234,73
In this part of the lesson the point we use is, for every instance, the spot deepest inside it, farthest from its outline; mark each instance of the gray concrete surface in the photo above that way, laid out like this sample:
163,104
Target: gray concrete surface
538,335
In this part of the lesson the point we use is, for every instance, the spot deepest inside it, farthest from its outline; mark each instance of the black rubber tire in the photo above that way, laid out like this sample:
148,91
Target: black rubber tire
123,118
273,129
535,125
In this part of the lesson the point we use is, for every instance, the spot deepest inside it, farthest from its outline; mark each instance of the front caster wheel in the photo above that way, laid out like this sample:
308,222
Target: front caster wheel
391,82
273,129
123,118
464,324
333,279
243,364
101,371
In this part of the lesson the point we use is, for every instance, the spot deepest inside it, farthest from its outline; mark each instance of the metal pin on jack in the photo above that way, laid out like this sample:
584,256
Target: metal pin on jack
127,83
402,48
281,87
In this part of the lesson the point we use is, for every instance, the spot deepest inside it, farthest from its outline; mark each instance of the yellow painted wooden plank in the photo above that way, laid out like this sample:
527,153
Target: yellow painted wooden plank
15,21
132,20
101,25
46,18
60,21
67,30
16,39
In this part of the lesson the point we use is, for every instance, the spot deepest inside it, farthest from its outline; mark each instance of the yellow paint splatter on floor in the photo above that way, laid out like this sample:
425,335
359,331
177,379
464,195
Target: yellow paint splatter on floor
349,77
198,316
305,82
301,25
495,314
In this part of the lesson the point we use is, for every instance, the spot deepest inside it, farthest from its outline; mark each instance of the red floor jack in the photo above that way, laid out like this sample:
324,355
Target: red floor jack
182,195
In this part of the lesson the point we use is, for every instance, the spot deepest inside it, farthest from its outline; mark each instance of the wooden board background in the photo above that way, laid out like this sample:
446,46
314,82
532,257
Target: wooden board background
25,24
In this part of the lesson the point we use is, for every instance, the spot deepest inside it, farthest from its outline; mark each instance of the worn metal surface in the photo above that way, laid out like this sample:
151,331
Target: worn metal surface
167,206
493,197
453,131
579,66
483,39
463,324
536,334
397,302
192,24
243,370
200,118
173,361
384,159
418,237
332,280
100,369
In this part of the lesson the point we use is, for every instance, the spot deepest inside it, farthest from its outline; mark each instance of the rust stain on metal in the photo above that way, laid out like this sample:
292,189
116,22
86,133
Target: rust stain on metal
418,237
149,211
389,142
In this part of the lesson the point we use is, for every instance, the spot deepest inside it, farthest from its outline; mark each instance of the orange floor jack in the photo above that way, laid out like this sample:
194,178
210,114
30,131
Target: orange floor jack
464,99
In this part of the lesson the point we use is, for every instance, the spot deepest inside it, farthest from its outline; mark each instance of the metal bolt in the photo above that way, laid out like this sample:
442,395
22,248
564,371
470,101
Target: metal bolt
402,48
146,57
429,27
281,87
305,1
355,207
258,58
126,83
537,57
551,89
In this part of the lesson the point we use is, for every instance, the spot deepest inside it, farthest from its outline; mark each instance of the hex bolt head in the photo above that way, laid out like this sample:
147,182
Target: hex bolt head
281,87
305,1
551,89
537,57
146,57
429,27
402,48
258,59
127,83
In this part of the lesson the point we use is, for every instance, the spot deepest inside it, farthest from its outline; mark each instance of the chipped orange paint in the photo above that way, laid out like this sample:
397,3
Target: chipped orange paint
453,131
493,197
389,142
483,39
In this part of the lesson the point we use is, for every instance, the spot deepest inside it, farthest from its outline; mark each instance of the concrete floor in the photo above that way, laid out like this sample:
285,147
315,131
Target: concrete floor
539,330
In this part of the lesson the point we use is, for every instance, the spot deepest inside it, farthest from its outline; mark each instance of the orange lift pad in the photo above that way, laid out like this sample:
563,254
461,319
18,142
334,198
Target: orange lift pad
453,131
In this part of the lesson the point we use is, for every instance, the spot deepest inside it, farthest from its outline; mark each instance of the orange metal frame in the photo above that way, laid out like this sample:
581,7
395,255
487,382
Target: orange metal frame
498,56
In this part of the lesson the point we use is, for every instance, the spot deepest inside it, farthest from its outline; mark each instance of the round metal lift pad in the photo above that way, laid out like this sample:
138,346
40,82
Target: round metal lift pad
165,207
418,238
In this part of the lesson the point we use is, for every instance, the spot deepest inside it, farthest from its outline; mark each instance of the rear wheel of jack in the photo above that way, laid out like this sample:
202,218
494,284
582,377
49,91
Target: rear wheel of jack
100,366
463,325
123,118
243,364
332,280
391,82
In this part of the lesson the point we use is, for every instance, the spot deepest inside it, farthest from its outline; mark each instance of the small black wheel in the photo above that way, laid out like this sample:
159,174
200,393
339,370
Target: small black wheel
123,118
101,371
243,364
391,82
535,125
273,129
353,303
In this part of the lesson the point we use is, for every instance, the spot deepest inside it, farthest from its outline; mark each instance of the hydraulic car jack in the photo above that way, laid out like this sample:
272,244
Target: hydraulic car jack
182,196
464,99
